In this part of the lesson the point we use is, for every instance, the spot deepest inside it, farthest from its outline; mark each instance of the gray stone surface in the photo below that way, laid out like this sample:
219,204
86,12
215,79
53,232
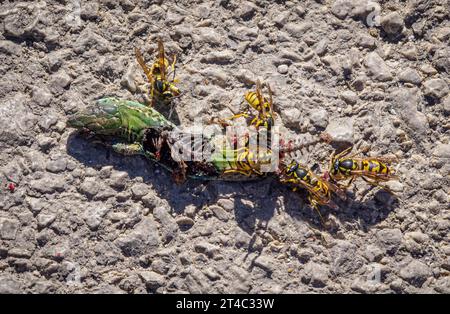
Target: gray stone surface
85,220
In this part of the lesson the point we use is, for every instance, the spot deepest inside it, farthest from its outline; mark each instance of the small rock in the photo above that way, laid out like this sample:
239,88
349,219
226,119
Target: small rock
265,263
8,228
298,29
410,76
373,253
60,81
224,56
202,11
319,118
45,142
57,165
206,248
349,97
9,47
36,204
139,190
218,77
8,285
392,23
409,52
290,55
377,68
291,116
94,215
345,258
118,179
281,18
341,130
89,11
446,104
341,8
226,203
442,285
442,151
283,69
246,9
367,41
406,101
395,186
20,253
209,35
89,187
321,47
390,239
300,10
169,226
41,96
152,280
184,222
220,213
428,69
315,275
415,273
436,88
358,83
143,238
44,220
441,59
128,79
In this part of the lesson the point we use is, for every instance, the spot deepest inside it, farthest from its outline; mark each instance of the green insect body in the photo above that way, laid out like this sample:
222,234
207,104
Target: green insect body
121,118
130,124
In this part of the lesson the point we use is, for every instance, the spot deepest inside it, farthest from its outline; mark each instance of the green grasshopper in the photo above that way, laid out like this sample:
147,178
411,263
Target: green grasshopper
136,129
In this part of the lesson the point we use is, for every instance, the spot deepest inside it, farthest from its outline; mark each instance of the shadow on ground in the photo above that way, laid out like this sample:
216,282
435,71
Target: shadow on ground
254,202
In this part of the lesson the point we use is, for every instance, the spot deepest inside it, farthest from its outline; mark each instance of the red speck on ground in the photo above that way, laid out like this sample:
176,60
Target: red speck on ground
11,187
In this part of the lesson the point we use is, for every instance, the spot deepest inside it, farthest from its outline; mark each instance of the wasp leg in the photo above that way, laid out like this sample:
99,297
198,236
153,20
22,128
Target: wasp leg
345,152
173,69
315,204
346,186
386,159
244,172
238,115
377,184
219,121
375,176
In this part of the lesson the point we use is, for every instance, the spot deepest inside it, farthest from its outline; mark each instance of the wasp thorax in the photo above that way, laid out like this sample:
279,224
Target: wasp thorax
347,164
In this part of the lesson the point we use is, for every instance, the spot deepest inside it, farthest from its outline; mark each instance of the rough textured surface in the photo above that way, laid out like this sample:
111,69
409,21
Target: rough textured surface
82,219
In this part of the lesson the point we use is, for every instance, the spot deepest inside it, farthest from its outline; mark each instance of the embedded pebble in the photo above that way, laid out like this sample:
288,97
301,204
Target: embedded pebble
341,130
410,76
415,272
377,68
392,23
319,118
283,69
436,88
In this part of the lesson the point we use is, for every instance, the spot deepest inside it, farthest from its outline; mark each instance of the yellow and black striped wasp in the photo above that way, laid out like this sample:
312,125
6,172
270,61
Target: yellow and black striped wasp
248,162
373,170
245,160
264,107
162,90
319,189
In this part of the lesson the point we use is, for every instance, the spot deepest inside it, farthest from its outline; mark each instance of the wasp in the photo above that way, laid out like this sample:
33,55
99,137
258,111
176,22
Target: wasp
244,160
264,107
319,189
161,88
372,169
